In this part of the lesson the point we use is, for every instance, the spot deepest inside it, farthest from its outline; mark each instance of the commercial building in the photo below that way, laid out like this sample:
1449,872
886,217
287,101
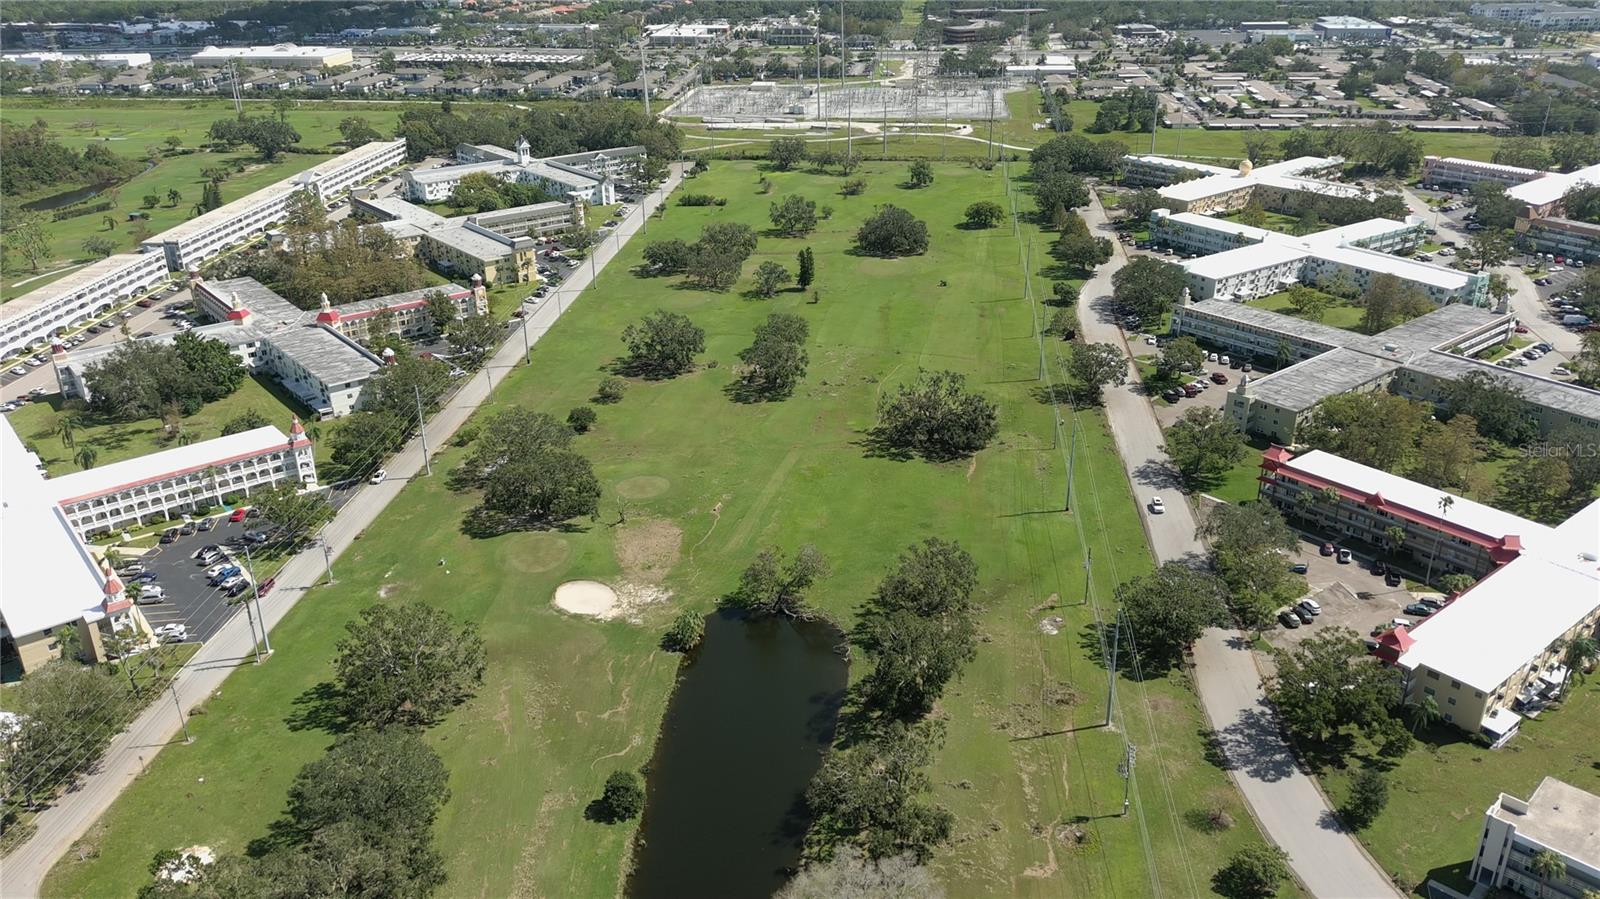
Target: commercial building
50,584
495,244
1546,16
280,56
97,288
1494,651
316,355
1351,29
1243,263
1558,818
102,60
590,177
688,34
1417,360
202,238
1282,187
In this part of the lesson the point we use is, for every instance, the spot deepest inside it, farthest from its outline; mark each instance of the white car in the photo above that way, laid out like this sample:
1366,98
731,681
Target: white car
1211,357
19,370
1149,341
216,569
1157,507
1224,360
378,476
151,594
173,633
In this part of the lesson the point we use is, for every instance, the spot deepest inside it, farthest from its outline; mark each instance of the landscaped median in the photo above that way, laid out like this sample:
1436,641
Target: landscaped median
695,482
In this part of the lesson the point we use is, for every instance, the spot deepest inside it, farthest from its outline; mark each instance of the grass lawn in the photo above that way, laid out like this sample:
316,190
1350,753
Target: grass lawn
115,441
708,483
1337,315
1438,792
1273,221
1239,484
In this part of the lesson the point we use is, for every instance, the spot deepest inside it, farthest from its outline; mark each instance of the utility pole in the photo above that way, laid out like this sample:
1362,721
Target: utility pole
255,592
1072,459
182,722
644,73
527,348
255,642
327,558
816,46
849,102
1129,755
422,428
1111,672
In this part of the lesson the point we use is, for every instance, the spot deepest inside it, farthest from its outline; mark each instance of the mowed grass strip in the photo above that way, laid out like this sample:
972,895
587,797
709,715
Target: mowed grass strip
1031,777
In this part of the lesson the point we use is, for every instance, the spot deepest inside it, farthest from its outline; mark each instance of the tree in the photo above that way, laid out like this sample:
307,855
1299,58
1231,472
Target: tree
364,438
1060,190
769,277
1548,867
768,588
685,632
1326,684
1369,793
1062,293
581,419
66,716
854,187
442,310
1389,301
667,257
786,152
891,231
1204,444
473,338
1490,248
1063,324
1082,251
295,514
807,272
871,796
719,254
1537,487
174,196
356,130
1495,403
920,174
918,628
1457,582
1446,453
478,192
610,390
150,201
210,197
1254,872
211,365
1140,203
934,416
1094,366
663,344
851,875
385,780
794,216
270,137
985,214
406,665
1375,428
99,247
511,435
1168,609
1179,357
1147,287
1496,211
1248,547
1579,655
1254,215
776,360
1586,364
26,236
621,800
551,486
1308,302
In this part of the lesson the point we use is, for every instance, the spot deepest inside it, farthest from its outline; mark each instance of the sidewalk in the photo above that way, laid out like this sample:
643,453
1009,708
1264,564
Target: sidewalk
1287,804
72,815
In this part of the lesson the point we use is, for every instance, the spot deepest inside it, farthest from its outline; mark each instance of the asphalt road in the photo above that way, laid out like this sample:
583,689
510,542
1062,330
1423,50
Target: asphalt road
58,826
1285,801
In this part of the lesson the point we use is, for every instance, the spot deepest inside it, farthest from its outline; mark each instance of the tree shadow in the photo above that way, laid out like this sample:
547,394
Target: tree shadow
319,708
741,391
877,445
975,226
483,524
1158,474
1212,750
1064,395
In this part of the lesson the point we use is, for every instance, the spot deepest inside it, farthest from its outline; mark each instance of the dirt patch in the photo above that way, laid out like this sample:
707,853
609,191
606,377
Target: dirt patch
535,553
647,548
642,487
590,598
1051,625
386,589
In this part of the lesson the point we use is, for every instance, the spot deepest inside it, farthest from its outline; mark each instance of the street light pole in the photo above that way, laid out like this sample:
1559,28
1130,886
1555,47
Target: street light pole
327,558
422,427
255,592
182,721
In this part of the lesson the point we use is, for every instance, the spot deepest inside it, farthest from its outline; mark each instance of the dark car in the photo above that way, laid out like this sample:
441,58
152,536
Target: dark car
1236,363
1379,568
207,524
1288,620
1171,396
266,586
1300,613
1327,549
188,528
238,588
1306,607
170,536
1418,609
1393,579
144,577
1299,568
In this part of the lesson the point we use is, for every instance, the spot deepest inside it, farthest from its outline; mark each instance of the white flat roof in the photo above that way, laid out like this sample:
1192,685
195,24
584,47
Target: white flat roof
47,576
1388,264
165,464
1558,816
1554,186
1483,166
1244,259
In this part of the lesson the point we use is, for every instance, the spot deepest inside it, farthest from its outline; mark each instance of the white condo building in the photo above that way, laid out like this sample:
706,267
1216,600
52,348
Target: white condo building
589,177
279,56
1558,818
88,293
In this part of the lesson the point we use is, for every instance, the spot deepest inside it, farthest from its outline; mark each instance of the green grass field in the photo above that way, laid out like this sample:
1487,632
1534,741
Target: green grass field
708,482
115,441
1339,314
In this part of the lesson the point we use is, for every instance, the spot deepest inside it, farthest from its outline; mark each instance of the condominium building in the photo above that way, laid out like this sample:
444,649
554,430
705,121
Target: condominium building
50,584
1542,196
1558,818
1546,16
202,238
590,177
90,292
1417,360
495,244
1280,187
1564,237
100,60
1244,263
1495,650
1455,173
280,56
316,355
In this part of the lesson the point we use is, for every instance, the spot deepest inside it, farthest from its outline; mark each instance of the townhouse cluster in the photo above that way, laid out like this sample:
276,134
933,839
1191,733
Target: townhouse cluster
29,321
1541,226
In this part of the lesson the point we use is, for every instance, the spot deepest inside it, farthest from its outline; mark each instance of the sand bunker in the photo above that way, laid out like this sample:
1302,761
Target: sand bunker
590,598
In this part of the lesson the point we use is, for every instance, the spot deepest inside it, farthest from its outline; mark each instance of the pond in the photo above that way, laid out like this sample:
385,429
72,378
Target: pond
753,713
62,200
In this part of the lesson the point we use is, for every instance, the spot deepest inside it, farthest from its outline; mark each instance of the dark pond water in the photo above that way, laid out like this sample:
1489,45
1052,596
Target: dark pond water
746,729
57,201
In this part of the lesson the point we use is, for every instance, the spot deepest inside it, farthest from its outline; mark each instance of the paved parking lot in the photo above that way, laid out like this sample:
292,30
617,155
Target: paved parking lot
190,600
1351,596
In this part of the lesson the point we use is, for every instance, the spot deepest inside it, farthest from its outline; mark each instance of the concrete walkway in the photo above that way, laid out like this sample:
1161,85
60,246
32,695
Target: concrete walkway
1286,803
160,725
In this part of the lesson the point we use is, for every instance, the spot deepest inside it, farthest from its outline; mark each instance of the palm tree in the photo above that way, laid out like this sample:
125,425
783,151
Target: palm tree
1394,535
1424,713
66,427
1581,652
86,456
1549,868
173,196
1445,502
110,223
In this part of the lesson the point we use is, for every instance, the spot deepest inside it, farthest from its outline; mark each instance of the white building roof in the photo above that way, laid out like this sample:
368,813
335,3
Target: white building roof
284,52
1244,259
1559,817
47,577
1554,186
167,463
83,277
1388,264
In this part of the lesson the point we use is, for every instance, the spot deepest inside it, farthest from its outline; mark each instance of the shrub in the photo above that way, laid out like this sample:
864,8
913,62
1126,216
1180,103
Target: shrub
685,632
699,200
622,799
581,419
892,231
611,390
